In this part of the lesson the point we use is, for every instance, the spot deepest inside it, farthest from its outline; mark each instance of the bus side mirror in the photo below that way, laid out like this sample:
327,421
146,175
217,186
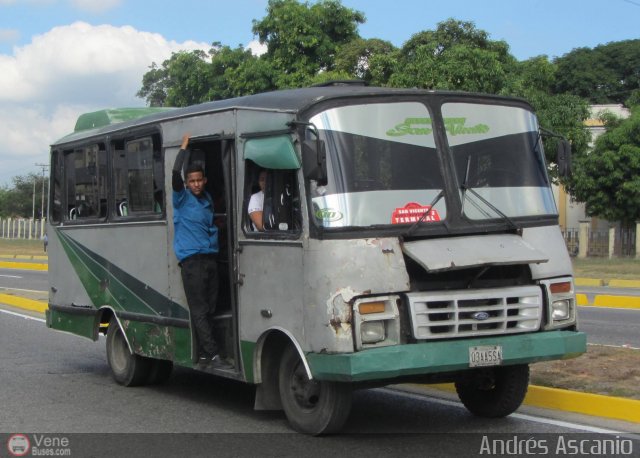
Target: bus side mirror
314,161
563,158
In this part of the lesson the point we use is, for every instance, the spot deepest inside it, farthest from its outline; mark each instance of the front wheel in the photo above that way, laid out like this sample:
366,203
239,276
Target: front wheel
311,406
127,369
493,392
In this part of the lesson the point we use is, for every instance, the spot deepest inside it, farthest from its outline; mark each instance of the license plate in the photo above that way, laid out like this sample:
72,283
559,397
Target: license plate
486,355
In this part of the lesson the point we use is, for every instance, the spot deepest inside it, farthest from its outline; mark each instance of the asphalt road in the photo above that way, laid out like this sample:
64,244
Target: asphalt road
60,384
35,280
609,326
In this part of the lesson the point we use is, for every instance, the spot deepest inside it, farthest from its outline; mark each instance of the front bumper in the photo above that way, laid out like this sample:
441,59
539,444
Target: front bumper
442,356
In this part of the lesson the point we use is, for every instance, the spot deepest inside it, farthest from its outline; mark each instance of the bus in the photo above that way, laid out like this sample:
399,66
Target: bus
409,236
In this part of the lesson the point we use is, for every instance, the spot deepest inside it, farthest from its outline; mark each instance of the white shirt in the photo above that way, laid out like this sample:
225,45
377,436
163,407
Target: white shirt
256,203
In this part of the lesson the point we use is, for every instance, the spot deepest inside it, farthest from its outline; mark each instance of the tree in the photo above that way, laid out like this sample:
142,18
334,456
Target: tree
303,40
358,58
455,56
18,201
605,74
187,78
564,114
608,178
183,79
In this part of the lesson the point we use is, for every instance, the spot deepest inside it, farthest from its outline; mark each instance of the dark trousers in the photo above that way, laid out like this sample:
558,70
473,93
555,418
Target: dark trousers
200,280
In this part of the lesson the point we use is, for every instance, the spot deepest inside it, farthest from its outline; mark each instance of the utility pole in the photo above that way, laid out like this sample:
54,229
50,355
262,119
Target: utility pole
44,167
33,203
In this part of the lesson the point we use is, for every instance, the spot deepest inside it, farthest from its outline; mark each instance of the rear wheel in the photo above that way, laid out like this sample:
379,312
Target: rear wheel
127,369
494,392
311,406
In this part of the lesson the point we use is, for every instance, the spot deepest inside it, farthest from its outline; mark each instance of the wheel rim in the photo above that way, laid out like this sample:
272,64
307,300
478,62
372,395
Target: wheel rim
120,353
306,393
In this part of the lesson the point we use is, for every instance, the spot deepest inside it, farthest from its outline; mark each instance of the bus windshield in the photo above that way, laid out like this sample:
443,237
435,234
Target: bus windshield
384,168
499,161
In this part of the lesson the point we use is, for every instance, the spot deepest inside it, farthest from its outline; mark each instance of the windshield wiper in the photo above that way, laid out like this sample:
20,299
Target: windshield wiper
435,200
492,207
465,187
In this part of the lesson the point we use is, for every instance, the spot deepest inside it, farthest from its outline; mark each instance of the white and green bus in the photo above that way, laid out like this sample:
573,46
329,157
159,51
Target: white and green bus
410,236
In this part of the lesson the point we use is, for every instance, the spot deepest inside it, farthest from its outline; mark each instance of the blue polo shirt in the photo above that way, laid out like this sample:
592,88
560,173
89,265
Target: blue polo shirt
195,232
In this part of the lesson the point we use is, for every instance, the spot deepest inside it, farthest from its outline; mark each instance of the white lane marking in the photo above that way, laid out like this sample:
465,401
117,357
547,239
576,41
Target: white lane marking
521,416
28,317
25,290
10,276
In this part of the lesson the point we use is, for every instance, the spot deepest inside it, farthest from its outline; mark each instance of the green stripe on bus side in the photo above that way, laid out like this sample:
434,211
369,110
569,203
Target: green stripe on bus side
442,356
247,349
82,325
106,283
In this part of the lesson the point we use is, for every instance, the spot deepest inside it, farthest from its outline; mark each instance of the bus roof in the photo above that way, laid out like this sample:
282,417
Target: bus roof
289,100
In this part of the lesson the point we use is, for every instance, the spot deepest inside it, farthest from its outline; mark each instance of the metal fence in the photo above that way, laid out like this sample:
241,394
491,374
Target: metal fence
625,244
571,238
22,228
598,242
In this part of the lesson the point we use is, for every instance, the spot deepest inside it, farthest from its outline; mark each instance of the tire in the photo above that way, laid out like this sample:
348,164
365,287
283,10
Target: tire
160,371
495,392
127,369
311,406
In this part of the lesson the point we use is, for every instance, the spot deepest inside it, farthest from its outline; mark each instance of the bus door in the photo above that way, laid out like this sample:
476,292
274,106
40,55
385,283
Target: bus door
215,157
270,268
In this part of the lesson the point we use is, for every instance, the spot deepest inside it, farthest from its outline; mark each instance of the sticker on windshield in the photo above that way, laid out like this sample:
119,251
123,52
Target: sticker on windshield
328,215
412,212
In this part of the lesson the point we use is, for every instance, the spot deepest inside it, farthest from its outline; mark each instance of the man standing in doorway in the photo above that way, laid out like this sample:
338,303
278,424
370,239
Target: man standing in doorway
196,246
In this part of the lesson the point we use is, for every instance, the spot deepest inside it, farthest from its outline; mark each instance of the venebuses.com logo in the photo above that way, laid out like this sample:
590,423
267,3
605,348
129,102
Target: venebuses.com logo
38,445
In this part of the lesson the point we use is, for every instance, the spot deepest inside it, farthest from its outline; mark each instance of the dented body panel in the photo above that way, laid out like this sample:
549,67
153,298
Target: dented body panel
336,272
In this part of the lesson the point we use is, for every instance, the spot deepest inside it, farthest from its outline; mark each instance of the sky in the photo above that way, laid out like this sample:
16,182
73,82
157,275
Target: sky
62,58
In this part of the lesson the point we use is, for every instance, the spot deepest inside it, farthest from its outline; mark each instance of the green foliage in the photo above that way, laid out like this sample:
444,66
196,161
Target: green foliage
608,178
605,74
303,40
18,201
361,59
634,99
455,56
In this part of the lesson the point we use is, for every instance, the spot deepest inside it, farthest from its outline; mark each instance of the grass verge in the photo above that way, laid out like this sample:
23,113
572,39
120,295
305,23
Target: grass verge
610,371
607,269
21,247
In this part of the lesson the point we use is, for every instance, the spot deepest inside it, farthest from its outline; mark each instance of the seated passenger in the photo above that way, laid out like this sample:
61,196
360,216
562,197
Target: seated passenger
256,203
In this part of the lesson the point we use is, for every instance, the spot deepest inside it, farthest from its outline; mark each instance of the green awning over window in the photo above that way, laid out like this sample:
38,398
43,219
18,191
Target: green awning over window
272,152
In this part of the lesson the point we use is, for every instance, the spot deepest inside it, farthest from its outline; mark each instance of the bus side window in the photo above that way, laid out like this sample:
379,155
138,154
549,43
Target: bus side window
278,202
86,174
280,210
137,165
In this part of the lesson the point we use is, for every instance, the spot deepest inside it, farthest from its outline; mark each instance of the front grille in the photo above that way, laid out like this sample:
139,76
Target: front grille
480,312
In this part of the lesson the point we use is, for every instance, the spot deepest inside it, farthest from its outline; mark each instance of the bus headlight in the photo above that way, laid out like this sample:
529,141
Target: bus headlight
561,302
376,321
372,332
561,310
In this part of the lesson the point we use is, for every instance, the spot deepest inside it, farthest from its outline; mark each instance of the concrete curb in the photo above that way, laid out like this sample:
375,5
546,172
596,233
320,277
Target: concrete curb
607,300
21,302
24,265
595,405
